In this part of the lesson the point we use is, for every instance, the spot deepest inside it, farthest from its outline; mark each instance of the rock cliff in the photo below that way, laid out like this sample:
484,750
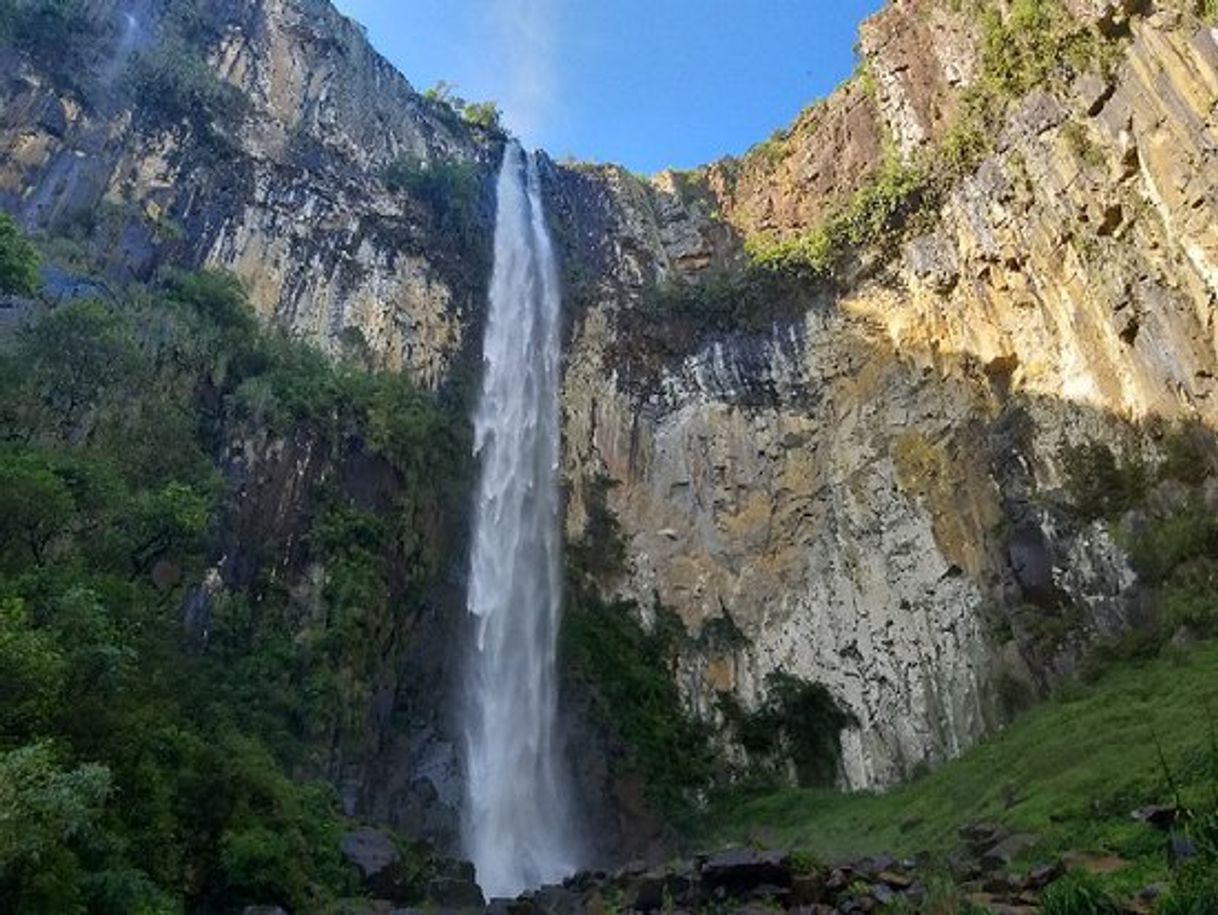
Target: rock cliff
285,186
863,484
856,468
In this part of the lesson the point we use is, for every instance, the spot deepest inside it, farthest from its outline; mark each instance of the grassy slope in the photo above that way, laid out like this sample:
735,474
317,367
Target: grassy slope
1070,771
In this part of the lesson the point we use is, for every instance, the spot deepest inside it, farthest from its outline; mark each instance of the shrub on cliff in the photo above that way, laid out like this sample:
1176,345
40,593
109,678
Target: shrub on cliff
626,673
449,190
872,217
64,36
799,721
483,115
18,260
1098,484
172,83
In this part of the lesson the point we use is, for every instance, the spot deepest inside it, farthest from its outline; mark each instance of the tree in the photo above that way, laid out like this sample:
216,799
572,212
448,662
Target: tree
18,260
482,114
32,686
75,355
44,808
35,506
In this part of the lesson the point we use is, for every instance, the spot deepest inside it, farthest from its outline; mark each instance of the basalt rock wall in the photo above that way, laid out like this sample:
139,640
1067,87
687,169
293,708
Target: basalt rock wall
867,484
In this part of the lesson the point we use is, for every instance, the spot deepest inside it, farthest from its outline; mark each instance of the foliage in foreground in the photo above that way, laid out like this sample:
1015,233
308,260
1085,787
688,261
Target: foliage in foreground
145,766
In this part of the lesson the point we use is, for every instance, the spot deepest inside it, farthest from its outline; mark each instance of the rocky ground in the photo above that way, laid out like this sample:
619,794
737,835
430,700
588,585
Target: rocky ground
989,871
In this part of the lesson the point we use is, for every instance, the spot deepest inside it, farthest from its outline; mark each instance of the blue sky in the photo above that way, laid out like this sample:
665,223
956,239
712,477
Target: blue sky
647,83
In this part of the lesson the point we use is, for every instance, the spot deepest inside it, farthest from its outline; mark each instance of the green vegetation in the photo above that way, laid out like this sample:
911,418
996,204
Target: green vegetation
799,721
155,765
1037,44
625,672
943,897
749,298
173,83
480,115
873,216
483,115
1195,889
1078,893
64,35
449,190
1098,485
18,260
171,80
1069,771
1174,550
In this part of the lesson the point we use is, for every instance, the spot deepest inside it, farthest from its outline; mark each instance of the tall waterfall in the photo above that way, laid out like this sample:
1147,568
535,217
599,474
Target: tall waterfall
517,827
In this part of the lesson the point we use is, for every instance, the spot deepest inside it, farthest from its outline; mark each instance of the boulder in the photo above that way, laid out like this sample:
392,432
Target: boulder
1040,877
1006,851
373,853
743,871
807,889
658,888
1158,816
556,900
455,886
370,850
981,836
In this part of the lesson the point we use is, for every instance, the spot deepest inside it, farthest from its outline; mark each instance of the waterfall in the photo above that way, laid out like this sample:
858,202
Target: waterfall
517,827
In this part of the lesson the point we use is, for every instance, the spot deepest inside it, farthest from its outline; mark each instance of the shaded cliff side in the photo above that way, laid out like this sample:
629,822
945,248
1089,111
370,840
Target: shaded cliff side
270,140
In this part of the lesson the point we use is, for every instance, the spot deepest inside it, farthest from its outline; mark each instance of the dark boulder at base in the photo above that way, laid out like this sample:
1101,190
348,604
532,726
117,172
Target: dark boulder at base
1004,852
455,886
375,856
743,871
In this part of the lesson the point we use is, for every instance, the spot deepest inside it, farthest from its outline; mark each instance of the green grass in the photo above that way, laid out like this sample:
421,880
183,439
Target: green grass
1070,771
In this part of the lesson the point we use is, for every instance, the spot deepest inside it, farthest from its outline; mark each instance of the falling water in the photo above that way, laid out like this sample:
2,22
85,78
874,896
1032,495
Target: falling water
129,39
517,827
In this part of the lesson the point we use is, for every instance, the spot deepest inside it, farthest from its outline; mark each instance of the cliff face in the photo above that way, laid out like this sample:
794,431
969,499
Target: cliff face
858,472
864,485
287,190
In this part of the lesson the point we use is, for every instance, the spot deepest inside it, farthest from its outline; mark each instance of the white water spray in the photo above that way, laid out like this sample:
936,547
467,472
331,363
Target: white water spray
517,828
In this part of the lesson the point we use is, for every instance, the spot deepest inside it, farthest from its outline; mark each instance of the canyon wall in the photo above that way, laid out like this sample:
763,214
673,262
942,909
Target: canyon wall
865,485
858,471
